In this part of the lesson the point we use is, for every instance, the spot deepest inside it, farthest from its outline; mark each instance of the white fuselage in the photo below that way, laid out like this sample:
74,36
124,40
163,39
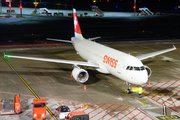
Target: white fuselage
111,61
104,59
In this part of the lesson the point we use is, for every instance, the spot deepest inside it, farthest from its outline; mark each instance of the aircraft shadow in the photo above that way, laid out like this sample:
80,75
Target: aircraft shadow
57,75
148,62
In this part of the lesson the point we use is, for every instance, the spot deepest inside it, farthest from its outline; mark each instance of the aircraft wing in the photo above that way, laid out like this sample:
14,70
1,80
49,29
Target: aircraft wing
56,61
148,55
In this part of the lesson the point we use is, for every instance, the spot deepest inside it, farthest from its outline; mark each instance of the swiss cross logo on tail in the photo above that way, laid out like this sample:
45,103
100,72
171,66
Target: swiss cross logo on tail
76,23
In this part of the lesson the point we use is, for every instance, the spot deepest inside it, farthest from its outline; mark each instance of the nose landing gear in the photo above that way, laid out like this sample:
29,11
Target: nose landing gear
134,89
129,88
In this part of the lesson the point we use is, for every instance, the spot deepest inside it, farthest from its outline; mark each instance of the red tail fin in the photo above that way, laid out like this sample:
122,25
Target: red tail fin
77,29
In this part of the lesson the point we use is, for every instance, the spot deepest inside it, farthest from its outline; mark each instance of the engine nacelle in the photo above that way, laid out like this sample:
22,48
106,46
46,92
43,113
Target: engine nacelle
148,71
80,75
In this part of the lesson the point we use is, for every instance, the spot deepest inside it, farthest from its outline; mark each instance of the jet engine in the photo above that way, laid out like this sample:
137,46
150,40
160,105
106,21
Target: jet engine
80,75
148,71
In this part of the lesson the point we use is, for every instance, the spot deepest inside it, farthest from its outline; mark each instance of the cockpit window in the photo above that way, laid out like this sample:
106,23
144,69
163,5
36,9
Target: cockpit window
135,68
131,68
142,68
127,67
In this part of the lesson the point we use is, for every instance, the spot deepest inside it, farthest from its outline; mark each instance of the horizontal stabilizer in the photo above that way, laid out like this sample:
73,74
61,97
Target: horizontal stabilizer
59,40
94,38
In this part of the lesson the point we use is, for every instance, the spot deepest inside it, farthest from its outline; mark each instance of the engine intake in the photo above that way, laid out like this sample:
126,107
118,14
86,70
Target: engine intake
80,75
148,71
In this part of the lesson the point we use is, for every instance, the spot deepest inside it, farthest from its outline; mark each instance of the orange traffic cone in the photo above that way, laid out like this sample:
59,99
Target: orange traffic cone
81,106
71,75
84,87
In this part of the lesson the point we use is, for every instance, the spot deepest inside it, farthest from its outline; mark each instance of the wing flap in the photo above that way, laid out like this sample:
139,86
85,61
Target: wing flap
148,55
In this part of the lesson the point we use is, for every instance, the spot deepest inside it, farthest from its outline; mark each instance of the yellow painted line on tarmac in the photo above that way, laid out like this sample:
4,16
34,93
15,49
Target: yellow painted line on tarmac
124,91
99,76
167,117
51,113
155,95
66,56
111,83
151,92
141,101
27,85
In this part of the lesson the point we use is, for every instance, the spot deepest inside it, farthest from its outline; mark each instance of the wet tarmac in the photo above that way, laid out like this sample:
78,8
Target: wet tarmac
104,97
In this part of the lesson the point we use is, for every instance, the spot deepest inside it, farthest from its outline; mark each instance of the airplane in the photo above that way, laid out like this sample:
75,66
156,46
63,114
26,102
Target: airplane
103,59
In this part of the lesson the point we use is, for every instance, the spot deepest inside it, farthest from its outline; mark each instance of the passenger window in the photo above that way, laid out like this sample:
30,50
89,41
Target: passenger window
136,68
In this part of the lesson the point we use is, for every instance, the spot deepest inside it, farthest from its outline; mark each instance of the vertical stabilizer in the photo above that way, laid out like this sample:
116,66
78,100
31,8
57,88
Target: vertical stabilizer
77,29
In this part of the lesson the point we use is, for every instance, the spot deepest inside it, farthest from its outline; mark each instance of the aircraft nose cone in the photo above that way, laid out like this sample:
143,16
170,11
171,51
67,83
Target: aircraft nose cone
144,78
141,77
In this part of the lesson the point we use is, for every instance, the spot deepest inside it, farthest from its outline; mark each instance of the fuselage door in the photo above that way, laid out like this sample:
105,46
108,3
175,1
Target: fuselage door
120,67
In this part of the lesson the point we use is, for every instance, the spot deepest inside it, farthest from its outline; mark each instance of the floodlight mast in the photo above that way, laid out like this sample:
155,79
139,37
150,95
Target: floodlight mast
134,7
0,6
9,7
35,6
20,8
35,3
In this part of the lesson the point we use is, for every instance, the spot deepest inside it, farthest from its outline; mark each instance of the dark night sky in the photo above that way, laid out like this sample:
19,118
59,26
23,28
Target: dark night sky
122,5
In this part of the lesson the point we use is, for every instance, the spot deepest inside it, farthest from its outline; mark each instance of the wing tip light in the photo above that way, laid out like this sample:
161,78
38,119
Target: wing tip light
174,47
8,56
4,54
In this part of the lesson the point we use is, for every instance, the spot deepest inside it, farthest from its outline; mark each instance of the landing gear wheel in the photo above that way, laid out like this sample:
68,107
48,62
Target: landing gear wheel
129,91
140,95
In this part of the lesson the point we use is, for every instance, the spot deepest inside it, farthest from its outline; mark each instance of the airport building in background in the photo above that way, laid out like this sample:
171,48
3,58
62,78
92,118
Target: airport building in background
0,6
104,5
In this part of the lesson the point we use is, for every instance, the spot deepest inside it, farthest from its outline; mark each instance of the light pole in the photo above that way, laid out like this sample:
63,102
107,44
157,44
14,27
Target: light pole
35,3
20,8
35,6
0,6
10,8
58,7
134,7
